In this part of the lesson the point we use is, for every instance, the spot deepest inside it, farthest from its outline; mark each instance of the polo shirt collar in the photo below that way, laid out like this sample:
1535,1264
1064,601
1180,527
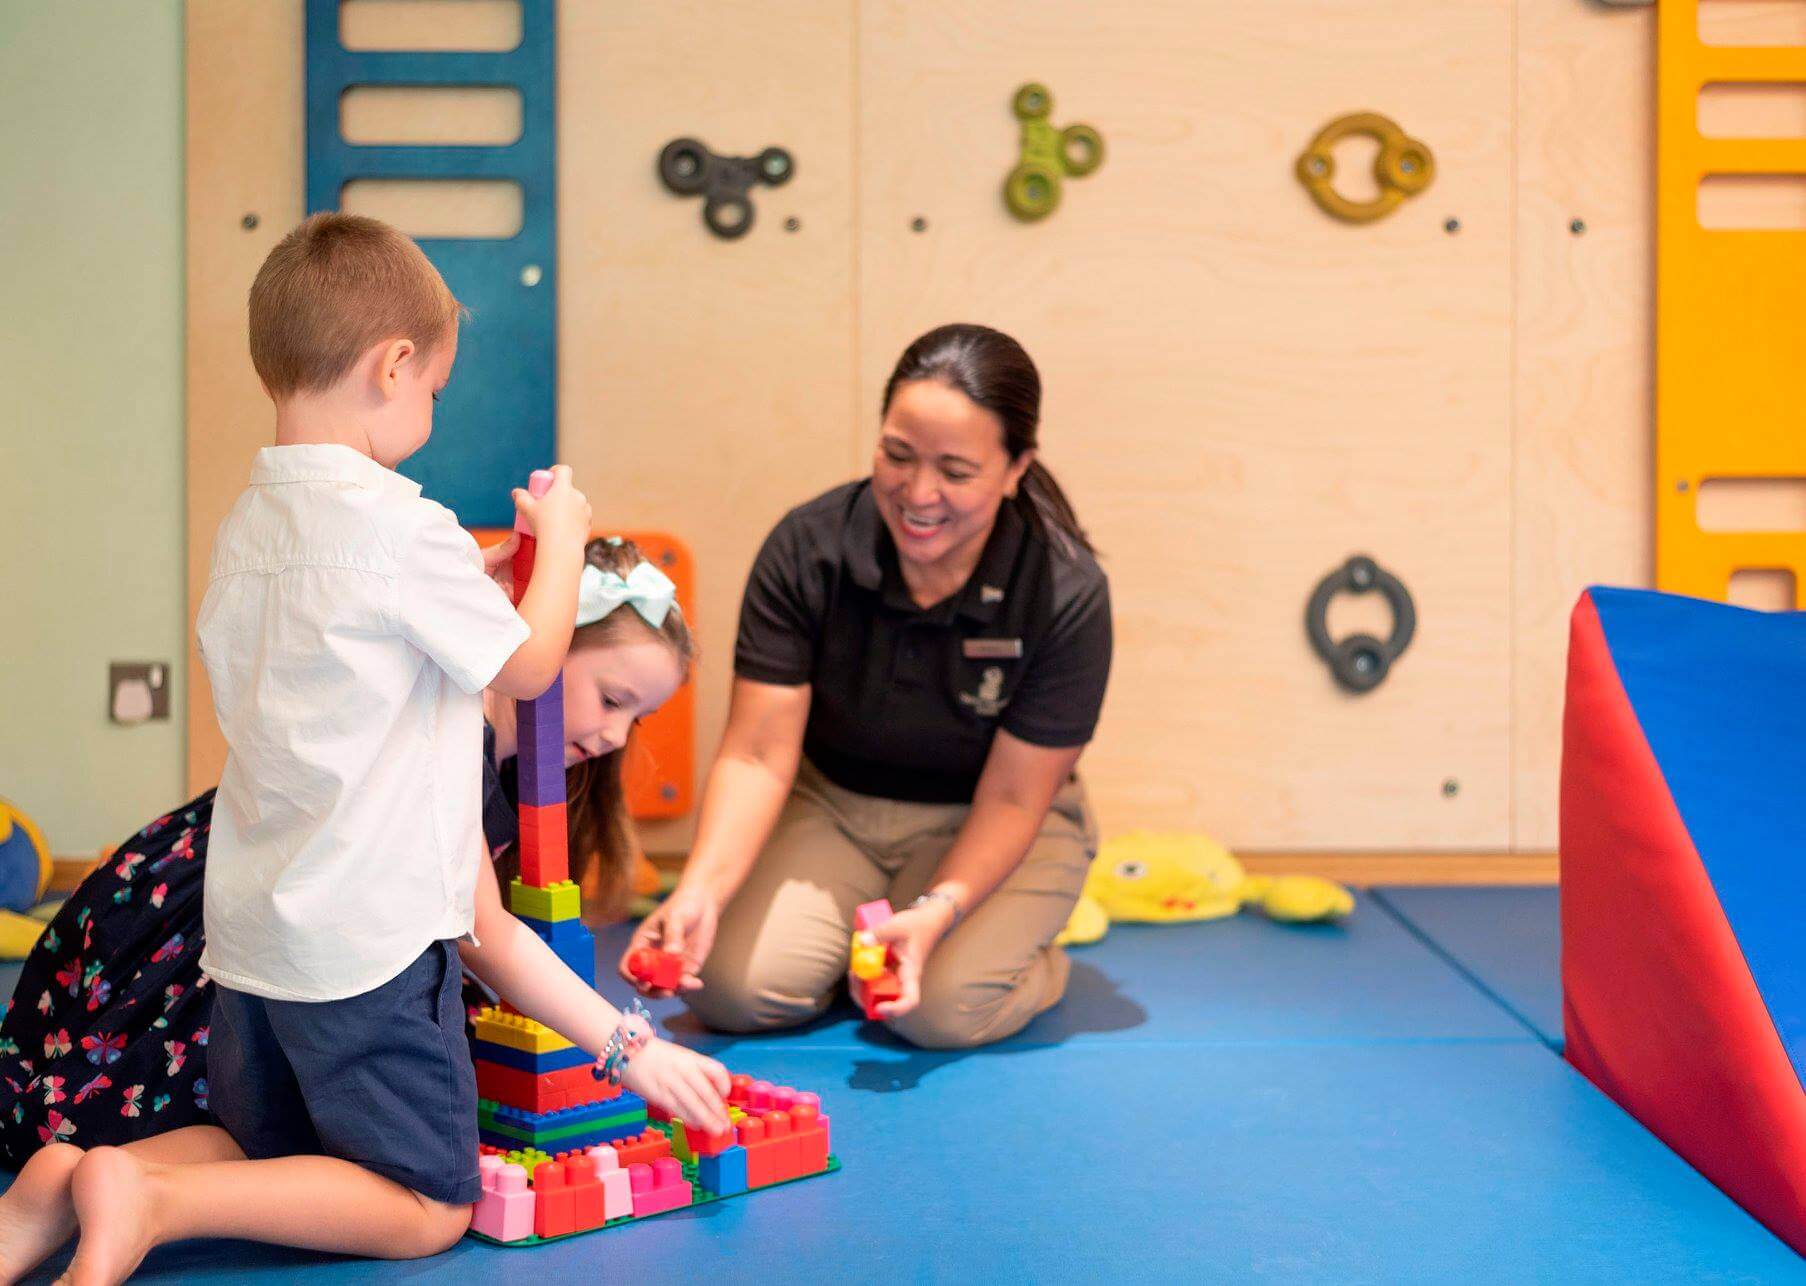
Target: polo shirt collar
867,541
327,462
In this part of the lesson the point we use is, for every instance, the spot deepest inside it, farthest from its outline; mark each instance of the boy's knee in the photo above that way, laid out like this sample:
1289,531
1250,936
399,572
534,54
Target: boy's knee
438,1229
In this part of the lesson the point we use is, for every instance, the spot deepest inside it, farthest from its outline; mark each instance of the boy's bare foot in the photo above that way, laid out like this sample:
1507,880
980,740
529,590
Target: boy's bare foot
114,1204
36,1216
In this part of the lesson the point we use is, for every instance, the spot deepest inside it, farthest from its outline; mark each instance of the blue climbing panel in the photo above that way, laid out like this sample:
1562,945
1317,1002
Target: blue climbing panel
497,422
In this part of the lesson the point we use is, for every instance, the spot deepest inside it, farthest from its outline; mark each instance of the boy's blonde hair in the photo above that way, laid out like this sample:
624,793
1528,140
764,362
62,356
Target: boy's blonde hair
332,289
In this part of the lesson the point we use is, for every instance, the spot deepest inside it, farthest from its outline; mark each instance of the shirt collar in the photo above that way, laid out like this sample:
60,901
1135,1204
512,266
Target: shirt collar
327,462
871,559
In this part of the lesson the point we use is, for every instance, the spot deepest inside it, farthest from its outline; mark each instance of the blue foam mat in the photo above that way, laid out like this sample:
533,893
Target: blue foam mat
1507,940
1362,1163
1217,1102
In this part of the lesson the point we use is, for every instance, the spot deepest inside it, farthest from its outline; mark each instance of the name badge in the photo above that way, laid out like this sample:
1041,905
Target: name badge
992,649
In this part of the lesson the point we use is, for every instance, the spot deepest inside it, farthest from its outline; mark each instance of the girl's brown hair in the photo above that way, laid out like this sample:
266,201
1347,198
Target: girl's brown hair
603,845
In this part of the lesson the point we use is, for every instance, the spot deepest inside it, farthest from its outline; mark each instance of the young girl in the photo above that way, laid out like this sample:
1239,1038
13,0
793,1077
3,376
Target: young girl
106,1040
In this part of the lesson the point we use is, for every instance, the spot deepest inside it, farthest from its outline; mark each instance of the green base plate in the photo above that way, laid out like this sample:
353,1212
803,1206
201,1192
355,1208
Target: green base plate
700,1196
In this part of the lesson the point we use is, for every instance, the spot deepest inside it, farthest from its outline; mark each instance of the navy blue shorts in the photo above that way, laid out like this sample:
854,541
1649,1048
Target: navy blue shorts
383,1080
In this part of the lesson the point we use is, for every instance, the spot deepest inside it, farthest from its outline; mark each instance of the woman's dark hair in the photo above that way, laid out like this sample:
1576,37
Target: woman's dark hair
997,373
603,846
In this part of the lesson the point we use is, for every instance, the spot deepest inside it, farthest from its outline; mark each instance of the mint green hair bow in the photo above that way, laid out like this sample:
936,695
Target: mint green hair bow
646,589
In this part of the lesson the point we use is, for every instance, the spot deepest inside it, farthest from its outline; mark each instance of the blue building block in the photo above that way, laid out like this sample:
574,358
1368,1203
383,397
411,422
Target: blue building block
508,1056
574,944
723,1174
568,1143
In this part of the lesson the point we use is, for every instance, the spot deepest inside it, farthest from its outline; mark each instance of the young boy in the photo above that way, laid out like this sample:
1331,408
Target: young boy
349,629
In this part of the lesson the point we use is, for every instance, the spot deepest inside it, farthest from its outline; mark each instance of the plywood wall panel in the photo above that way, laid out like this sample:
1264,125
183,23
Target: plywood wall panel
244,165
1240,391
1584,343
705,386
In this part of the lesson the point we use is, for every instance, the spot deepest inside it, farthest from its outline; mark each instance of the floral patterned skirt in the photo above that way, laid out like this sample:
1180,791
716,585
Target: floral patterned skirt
104,1040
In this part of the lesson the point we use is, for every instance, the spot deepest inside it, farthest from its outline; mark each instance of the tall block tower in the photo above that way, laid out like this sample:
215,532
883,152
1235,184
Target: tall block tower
534,1088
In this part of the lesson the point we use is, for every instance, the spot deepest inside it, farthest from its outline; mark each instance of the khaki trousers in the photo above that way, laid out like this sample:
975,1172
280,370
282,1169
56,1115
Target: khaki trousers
782,945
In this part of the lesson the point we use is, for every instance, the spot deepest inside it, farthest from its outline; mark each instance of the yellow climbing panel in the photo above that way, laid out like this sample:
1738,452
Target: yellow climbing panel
1730,319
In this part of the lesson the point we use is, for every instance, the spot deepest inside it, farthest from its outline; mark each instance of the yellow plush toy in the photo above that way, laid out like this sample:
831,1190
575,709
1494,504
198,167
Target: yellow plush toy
1164,878
24,875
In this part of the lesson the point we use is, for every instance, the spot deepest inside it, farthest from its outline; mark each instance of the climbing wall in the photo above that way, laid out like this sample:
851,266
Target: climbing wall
1242,391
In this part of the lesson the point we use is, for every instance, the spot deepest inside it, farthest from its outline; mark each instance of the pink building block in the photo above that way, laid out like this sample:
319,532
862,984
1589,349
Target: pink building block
505,1210
537,485
617,1190
658,1187
869,915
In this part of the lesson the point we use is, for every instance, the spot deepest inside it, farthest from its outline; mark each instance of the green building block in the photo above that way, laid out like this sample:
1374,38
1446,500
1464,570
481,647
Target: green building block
560,901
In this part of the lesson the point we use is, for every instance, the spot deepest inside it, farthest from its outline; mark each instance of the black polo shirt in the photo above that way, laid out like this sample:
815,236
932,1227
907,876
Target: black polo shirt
906,700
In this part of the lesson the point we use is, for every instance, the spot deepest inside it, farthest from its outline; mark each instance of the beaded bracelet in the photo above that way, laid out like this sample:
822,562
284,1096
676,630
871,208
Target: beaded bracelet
628,1039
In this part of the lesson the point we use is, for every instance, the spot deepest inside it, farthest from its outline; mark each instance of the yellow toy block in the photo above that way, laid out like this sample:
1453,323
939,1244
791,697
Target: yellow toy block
868,957
555,902
518,1032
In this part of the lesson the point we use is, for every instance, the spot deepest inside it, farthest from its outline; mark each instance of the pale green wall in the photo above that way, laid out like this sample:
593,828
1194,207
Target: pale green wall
90,407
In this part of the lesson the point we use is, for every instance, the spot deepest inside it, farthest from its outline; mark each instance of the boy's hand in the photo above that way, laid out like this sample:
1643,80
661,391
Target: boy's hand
681,1081
561,516
498,561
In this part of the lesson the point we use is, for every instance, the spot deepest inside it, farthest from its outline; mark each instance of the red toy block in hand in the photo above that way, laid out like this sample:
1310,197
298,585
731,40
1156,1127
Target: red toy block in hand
660,970
868,995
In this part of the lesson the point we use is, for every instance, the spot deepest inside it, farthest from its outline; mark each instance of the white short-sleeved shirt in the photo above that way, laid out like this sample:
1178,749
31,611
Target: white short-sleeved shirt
348,631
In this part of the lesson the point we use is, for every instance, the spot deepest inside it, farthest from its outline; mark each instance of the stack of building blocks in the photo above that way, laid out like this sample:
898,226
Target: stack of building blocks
873,964
534,1087
532,1194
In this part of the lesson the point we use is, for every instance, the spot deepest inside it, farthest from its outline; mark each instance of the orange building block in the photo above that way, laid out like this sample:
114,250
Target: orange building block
643,1149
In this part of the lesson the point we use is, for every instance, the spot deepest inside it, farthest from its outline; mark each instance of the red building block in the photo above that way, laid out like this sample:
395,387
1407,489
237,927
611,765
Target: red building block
643,1149
544,844
768,1159
587,1205
650,967
541,1091
778,1129
708,1145
739,1092
555,1213
523,565
869,995
811,1139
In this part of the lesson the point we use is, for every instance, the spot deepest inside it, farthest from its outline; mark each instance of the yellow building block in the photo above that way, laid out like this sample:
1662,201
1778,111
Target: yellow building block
518,1032
555,902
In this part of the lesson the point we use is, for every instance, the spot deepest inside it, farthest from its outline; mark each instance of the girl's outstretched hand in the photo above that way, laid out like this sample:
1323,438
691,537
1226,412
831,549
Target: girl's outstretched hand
682,1082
